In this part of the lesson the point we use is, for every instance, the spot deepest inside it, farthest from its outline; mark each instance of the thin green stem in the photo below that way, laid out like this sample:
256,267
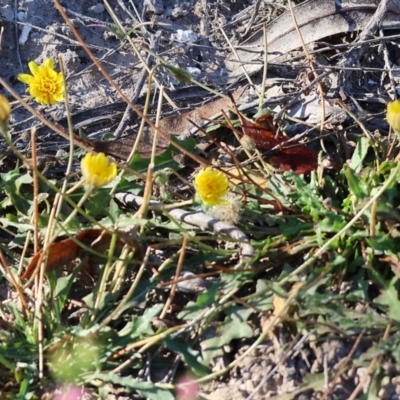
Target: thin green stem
325,247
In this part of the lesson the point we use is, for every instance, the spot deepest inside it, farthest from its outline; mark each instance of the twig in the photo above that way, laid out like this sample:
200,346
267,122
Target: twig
35,193
118,89
328,243
197,218
279,114
354,54
293,347
370,367
17,34
137,52
237,57
253,17
265,69
310,62
387,64
150,170
343,366
17,287
177,274
139,85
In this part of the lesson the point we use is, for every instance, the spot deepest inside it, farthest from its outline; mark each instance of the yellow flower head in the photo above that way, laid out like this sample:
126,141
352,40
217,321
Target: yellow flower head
212,186
97,171
45,84
5,109
393,115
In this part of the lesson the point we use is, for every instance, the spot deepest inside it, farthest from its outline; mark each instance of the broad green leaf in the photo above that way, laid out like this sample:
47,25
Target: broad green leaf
354,183
359,154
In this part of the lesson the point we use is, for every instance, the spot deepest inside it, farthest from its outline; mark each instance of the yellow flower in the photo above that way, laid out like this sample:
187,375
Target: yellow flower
45,84
5,109
393,115
212,186
97,171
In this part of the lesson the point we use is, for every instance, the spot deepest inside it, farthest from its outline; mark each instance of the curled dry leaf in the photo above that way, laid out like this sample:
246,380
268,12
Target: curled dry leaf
65,251
282,154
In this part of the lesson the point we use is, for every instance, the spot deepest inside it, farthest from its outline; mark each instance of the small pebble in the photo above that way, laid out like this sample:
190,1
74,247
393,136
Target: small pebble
195,72
21,16
97,9
186,36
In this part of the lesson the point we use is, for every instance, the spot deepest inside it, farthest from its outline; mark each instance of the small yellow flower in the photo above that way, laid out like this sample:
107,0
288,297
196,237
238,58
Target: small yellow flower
97,171
45,84
212,186
393,115
5,109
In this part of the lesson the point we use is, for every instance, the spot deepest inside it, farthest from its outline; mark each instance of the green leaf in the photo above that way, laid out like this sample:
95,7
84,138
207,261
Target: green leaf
99,203
332,223
359,154
63,286
190,356
164,160
140,326
22,180
390,298
145,389
354,183
192,309
264,300
227,332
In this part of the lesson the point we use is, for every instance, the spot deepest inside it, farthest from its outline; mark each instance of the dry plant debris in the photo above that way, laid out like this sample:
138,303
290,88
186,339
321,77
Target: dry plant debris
199,200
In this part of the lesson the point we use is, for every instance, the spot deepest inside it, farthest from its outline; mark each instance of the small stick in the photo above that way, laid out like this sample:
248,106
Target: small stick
17,287
103,71
321,90
264,78
196,218
138,86
342,368
35,193
176,280
371,366
237,57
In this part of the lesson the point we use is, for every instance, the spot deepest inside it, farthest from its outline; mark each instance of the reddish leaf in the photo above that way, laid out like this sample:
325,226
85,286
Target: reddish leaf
293,155
66,251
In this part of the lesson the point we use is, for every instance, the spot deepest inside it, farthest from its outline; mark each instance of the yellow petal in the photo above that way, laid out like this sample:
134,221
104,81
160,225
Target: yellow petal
25,78
393,115
212,186
5,109
49,63
97,171
33,67
45,84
